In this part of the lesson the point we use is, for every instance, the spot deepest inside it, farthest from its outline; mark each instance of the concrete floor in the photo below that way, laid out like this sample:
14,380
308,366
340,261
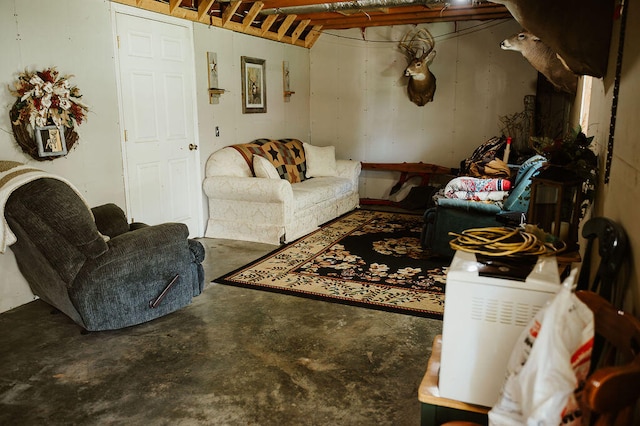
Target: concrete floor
233,357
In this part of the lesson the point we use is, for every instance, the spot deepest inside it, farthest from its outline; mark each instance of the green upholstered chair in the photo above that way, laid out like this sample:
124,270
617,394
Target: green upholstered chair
455,215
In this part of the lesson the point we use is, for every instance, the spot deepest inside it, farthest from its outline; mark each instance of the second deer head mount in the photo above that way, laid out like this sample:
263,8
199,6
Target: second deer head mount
543,59
417,46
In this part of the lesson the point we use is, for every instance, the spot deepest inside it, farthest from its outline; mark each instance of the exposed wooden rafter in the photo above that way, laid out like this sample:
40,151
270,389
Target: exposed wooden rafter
262,18
266,25
299,29
253,12
282,31
173,5
203,8
229,11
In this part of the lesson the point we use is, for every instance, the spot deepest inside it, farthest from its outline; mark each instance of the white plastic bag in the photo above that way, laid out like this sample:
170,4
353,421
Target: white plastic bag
548,365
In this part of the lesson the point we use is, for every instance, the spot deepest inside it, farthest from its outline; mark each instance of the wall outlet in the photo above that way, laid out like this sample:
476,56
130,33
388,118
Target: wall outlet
217,132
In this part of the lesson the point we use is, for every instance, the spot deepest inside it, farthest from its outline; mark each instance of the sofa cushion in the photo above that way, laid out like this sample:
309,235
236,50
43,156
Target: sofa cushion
340,186
263,168
286,155
321,160
313,191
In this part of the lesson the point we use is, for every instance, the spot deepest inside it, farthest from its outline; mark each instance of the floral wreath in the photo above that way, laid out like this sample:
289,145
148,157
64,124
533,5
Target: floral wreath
45,98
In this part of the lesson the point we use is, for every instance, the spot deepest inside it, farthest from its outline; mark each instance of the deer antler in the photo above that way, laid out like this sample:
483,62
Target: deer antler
417,40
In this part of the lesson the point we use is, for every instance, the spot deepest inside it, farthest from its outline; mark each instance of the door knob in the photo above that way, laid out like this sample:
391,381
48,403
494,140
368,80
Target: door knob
192,147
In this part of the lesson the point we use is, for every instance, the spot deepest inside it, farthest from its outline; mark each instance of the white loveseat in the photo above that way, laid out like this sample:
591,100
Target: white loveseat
281,199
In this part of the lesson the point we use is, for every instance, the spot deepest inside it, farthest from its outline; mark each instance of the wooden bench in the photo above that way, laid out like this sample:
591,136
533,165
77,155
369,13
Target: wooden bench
436,409
407,170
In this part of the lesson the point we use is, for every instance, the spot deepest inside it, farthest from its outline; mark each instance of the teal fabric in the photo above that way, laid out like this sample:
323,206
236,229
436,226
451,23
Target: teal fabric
518,199
469,206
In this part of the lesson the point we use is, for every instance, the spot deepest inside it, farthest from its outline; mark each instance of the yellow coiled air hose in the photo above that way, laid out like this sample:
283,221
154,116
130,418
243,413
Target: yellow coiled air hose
502,241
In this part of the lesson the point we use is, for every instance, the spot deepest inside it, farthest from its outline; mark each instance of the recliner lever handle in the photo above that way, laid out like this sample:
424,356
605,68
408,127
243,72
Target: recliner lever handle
155,302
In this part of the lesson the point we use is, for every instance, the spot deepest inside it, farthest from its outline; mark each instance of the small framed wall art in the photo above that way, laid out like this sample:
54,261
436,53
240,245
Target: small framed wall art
50,141
254,85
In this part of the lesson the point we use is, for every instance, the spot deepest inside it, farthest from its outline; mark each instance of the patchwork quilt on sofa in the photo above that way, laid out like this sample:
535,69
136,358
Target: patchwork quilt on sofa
286,155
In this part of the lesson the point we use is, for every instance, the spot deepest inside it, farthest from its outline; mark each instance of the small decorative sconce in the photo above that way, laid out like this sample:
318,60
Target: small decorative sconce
285,81
556,197
212,72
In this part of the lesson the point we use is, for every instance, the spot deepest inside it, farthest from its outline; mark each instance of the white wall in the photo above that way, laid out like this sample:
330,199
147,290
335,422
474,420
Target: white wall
282,119
618,199
81,43
75,36
359,101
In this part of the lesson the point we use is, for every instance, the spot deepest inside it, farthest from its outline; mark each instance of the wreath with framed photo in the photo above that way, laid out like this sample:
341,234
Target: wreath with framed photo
46,112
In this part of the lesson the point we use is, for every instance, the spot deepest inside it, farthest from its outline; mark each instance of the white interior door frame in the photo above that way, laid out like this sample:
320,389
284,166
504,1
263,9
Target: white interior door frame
128,10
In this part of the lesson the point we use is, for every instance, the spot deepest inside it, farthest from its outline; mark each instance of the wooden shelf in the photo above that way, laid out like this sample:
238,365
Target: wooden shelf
214,95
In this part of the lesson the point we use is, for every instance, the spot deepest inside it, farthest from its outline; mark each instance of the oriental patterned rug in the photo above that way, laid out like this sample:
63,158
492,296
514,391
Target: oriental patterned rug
364,258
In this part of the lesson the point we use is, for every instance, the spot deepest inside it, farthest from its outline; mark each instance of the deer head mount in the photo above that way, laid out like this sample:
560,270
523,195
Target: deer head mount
417,46
543,59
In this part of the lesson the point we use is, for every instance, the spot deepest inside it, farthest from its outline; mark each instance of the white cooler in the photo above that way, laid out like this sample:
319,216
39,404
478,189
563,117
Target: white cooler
483,317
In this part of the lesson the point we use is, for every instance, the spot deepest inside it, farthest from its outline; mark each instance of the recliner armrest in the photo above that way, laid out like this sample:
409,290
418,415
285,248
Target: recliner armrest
110,220
148,238
152,250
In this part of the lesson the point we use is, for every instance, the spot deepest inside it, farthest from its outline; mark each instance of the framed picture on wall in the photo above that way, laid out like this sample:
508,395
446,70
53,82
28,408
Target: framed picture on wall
254,85
50,141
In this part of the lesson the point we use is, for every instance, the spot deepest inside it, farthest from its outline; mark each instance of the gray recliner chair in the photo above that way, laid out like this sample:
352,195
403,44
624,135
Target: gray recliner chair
103,273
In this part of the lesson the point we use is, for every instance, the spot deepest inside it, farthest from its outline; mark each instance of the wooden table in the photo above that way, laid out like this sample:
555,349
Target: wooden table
436,409
407,171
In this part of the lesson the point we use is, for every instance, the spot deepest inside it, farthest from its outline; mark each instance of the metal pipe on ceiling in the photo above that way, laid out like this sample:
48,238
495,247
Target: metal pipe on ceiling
346,5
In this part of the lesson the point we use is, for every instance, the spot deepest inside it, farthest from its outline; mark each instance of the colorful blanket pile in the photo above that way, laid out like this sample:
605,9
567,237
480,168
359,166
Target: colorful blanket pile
477,189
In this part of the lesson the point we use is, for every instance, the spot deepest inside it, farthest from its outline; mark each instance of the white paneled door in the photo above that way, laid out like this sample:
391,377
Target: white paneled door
160,148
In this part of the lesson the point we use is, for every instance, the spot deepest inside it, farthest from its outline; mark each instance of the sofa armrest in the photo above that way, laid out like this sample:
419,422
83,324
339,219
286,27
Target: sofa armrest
248,188
349,169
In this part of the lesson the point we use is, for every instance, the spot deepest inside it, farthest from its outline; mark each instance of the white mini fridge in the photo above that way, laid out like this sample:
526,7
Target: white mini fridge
483,317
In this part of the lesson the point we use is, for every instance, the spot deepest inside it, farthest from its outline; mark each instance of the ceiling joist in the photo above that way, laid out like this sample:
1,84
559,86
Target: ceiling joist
203,8
266,25
253,12
301,22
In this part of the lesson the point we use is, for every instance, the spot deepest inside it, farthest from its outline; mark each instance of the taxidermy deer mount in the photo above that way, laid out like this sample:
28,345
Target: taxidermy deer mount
543,59
578,30
418,48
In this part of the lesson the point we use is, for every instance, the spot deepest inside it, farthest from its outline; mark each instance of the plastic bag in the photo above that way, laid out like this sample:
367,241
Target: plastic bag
548,365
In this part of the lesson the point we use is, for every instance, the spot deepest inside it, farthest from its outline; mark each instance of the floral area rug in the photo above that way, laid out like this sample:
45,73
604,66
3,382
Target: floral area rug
365,258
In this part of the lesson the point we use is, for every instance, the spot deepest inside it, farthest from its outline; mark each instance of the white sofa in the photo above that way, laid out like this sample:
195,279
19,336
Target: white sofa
269,208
